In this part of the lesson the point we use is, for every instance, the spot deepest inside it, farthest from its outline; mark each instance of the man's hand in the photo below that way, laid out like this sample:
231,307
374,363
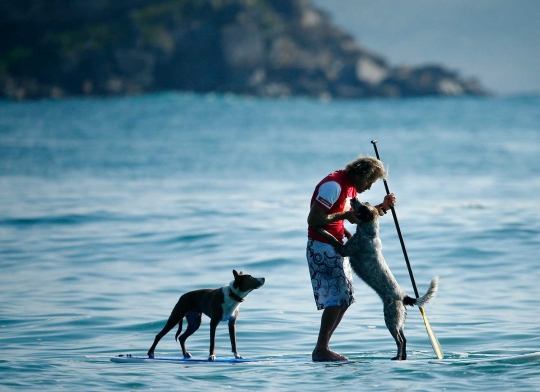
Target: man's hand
351,217
389,201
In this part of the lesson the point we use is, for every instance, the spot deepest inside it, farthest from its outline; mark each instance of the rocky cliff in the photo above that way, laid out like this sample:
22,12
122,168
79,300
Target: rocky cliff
274,48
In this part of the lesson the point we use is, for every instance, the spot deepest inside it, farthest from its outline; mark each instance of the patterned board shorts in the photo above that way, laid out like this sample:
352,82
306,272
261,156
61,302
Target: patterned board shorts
331,275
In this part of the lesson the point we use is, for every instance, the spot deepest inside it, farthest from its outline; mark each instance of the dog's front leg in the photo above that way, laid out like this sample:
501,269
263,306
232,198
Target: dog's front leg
340,248
213,325
232,335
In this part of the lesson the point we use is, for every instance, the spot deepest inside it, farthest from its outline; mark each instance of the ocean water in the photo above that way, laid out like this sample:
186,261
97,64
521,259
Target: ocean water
110,209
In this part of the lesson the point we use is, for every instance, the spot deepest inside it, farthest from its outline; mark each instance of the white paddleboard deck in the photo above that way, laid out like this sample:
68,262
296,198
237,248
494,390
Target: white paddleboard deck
135,359
180,360
128,358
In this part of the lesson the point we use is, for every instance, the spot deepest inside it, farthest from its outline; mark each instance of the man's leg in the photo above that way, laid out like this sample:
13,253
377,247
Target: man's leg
342,310
330,319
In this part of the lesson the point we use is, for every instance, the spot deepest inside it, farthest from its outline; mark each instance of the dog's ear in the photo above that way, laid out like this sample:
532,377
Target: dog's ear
235,274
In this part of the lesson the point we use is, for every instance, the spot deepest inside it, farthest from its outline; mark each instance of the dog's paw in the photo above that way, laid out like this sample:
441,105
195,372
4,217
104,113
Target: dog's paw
237,356
342,251
150,354
187,355
212,357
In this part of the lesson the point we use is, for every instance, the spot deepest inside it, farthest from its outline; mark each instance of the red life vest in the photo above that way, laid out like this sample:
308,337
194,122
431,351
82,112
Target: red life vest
337,229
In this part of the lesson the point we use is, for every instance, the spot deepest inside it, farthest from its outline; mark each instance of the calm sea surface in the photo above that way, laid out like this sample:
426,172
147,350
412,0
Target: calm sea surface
110,209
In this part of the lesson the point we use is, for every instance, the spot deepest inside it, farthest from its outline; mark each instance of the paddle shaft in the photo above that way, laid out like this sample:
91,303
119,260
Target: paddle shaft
432,338
374,142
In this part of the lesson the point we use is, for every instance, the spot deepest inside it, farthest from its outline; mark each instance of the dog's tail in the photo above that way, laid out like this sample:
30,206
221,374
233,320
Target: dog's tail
434,285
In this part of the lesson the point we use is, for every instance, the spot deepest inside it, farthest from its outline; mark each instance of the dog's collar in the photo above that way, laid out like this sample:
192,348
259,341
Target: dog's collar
234,296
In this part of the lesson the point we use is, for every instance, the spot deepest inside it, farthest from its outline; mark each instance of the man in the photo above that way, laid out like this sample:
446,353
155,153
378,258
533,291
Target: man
330,273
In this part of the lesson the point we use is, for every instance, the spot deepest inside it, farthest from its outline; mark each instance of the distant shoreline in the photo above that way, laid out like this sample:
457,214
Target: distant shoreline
240,97
266,48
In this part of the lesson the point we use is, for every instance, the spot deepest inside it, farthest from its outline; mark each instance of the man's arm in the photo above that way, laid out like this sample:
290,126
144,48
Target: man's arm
319,216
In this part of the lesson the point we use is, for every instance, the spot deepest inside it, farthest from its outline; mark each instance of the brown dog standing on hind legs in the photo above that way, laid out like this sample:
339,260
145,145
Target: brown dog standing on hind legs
367,261
221,304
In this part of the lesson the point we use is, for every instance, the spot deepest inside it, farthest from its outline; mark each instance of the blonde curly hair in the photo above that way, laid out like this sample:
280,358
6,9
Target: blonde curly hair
366,167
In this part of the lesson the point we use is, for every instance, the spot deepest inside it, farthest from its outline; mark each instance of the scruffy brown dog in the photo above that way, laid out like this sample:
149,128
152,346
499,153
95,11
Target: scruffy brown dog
367,261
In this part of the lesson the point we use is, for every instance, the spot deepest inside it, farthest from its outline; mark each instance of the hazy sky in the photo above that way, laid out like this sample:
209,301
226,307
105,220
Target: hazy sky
496,41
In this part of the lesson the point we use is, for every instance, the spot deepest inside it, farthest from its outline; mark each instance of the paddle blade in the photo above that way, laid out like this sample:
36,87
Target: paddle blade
432,338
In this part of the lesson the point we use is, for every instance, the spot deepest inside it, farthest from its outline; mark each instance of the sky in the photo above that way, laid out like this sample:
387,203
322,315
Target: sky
494,41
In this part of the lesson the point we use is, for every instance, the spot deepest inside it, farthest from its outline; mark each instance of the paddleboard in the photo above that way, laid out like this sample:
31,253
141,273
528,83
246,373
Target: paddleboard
269,360
135,359
128,358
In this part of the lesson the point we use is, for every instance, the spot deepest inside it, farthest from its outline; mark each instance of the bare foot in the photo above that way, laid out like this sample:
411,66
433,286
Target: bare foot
327,356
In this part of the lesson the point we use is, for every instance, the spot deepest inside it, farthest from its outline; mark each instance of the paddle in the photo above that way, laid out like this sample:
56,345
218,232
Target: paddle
432,338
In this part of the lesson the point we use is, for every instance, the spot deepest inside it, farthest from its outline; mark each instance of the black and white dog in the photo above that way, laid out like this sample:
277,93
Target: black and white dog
221,304
367,261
